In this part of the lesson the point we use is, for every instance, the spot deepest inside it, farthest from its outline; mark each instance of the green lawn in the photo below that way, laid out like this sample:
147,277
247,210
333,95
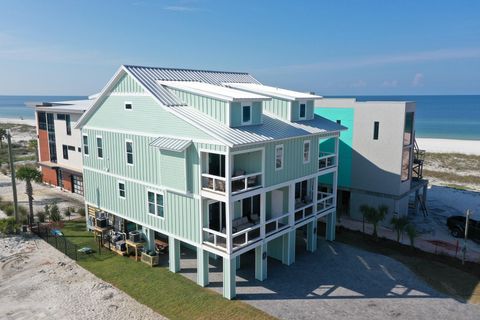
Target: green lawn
171,295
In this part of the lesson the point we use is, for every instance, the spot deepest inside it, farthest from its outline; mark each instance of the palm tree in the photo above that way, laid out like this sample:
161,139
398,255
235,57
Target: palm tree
3,135
364,209
375,215
33,146
399,225
29,174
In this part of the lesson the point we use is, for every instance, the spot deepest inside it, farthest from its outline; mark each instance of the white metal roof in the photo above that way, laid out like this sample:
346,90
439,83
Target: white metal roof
171,144
74,106
214,91
273,91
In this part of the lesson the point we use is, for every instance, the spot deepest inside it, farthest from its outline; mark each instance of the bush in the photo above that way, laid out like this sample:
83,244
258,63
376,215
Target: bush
55,213
23,215
9,209
41,216
67,212
412,234
81,212
8,226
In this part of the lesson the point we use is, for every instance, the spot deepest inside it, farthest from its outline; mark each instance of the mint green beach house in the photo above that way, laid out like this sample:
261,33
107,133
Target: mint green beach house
209,161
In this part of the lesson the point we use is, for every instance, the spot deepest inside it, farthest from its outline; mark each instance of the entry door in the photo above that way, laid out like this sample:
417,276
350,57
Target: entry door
277,203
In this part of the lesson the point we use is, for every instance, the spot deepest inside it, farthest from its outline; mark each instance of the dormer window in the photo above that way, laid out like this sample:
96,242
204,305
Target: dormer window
246,114
128,105
302,110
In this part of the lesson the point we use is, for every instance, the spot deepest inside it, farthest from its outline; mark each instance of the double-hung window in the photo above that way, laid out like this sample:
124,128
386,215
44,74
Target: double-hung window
99,148
306,151
279,157
85,144
121,189
246,114
68,124
155,204
302,111
129,151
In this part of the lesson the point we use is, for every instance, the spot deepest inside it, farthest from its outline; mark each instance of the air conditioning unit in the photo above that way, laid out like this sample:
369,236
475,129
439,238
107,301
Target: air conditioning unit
135,236
102,222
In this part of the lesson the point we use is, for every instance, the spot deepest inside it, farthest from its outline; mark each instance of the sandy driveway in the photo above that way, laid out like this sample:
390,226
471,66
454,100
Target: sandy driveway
38,282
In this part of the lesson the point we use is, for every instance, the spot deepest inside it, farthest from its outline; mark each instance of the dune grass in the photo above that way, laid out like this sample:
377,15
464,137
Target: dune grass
171,295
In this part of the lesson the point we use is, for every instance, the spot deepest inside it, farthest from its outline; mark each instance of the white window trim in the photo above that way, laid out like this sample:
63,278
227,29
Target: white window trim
155,192
125,105
124,189
126,153
244,105
299,103
283,157
96,146
309,151
83,146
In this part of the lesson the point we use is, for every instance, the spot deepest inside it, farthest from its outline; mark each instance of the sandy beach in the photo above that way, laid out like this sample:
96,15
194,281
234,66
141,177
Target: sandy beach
29,122
471,147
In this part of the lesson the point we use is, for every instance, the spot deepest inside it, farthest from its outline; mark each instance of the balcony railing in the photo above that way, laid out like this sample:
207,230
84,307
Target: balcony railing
246,182
213,183
215,238
246,236
324,201
303,212
276,224
326,160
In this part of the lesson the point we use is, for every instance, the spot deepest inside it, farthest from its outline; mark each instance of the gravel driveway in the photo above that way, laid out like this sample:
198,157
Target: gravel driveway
339,282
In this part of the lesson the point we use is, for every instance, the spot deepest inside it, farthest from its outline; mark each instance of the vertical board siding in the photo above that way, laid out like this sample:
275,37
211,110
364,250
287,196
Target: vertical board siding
146,116
236,113
308,112
215,108
173,170
278,107
181,215
128,85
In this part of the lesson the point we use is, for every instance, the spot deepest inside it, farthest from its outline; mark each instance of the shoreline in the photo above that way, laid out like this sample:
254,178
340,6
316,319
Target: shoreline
28,122
432,145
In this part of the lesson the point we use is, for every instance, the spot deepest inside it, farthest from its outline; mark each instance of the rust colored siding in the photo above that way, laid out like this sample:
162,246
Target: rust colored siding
49,176
43,145
67,180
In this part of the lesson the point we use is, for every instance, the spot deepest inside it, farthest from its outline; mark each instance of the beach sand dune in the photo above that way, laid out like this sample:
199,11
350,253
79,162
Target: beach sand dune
450,146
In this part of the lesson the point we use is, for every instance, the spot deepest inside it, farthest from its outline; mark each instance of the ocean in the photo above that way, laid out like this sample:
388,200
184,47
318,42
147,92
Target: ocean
440,116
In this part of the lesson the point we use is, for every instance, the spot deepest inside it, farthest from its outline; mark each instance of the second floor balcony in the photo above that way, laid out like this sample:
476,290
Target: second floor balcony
245,172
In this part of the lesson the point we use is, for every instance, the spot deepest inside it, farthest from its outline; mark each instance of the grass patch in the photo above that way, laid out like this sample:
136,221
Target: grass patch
445,274
452,177
171,295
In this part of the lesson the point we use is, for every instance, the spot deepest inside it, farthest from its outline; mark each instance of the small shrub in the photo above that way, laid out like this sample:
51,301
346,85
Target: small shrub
67,212
4,171
81,212
9,210
8,226
55,213
41,216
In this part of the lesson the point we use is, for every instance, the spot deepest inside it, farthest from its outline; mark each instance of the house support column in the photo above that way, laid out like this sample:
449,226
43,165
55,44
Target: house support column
312,236
261,262
237,262
229,274
174,254
424,194
150,237
331,222
288,246
202,267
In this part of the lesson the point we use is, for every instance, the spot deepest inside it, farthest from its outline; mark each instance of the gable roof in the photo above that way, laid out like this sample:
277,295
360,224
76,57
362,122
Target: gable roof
271,129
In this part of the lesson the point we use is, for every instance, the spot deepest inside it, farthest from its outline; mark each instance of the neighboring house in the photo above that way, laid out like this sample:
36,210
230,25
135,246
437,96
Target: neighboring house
379,163
60,144
213,161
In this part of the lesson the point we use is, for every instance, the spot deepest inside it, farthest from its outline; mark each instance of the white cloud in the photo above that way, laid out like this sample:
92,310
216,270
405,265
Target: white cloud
181,8
411,57
390,83
417,80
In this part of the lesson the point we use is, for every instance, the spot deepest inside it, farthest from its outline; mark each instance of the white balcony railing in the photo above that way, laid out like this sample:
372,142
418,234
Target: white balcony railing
213,183
215,238
326,160
246,182
276,224
325,201
303,212
246,236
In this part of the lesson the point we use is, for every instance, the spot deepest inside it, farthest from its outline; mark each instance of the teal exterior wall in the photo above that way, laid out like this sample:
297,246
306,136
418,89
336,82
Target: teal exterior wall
279,107
236,113
345,152
251,162
181,215
296,111
215,108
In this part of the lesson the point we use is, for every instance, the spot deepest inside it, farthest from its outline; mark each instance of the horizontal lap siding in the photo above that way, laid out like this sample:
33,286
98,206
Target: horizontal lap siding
215,108
182,213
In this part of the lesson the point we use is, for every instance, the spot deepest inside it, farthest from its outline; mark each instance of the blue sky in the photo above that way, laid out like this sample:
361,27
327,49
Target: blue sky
330,47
